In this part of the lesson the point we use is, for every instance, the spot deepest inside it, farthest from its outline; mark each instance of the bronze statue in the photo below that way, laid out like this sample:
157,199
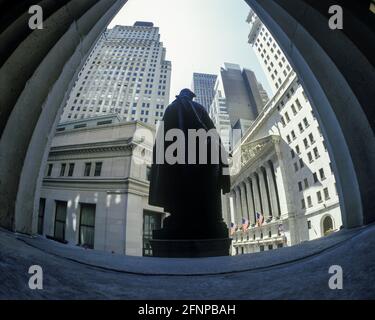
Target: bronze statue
190,190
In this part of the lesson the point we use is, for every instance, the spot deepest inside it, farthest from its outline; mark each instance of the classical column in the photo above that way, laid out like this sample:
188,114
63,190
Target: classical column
238,214
283,184
272,190
250,202
233,206
245,211
256,194
263,195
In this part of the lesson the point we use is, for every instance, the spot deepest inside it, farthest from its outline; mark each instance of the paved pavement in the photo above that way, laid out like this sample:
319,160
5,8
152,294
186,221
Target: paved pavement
299,272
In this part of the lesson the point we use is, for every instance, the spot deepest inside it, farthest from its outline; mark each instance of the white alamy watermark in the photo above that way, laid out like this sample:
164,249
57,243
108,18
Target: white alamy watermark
335,282
193,146
36,280
36,19
336,21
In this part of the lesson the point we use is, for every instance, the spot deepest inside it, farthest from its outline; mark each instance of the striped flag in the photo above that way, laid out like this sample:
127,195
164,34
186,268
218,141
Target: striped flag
232,228
260,219
245,224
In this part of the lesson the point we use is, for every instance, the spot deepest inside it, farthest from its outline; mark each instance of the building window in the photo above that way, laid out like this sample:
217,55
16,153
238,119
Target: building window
292,154
301,163
87,169
308,224
309,155
87,225
261,248
305,122
49,170
326,193
295,166
309,202
62,169
71,169
270,247
303,204
151,221
311,137
98,169
300,187
294,109
321,173
319,196
299,106
300,127
287,117
306,143
60,220
293,135
316,153
279,245
42,206
315,177
306,182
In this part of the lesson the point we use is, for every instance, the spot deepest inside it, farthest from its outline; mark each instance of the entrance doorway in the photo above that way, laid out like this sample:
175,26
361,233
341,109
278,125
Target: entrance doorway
87,225
151,221
327,225
60,220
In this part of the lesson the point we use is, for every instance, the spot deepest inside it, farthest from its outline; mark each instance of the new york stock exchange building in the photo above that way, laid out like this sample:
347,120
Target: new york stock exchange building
283,191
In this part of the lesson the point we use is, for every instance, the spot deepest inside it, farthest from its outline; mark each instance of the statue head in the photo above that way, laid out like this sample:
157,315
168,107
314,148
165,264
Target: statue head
187,94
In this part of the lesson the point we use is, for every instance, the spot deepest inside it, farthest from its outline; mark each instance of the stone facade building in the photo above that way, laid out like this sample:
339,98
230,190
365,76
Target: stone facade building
284,173
95,188
126,73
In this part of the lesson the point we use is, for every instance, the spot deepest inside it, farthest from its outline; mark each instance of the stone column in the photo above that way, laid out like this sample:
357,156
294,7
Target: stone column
232,206
238,214
250,202
283,184
263,195
245,211
272,191
256,194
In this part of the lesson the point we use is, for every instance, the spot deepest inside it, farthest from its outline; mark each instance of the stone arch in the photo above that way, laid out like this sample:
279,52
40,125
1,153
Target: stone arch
327,225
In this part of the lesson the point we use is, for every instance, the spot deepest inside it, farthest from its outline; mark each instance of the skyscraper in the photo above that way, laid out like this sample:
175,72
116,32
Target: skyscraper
126,74
237,99
203,86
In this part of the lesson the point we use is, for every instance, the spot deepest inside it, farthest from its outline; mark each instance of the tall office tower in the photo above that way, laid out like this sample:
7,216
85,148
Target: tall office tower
203,86
237,98
269,54
286,173
126,74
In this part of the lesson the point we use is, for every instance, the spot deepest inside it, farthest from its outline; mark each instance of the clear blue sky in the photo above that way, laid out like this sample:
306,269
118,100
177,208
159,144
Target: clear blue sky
199,35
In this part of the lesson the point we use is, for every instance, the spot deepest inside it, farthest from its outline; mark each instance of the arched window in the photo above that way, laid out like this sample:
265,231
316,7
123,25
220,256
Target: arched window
327,225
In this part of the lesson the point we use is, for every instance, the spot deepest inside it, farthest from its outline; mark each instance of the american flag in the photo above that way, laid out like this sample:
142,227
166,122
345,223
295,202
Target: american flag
232,228
260,219
245,224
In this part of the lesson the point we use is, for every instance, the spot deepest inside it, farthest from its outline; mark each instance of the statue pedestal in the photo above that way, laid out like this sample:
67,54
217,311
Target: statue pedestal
191,248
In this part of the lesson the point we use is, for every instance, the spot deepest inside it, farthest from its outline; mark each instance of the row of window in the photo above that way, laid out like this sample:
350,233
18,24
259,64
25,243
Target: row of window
319,197
285,119
71,166
303,185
